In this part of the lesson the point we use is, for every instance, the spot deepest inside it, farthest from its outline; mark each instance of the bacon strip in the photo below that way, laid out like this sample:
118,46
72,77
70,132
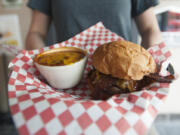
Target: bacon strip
104,86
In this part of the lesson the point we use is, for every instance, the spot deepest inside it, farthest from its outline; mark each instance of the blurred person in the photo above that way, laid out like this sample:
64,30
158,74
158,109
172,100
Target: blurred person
73,16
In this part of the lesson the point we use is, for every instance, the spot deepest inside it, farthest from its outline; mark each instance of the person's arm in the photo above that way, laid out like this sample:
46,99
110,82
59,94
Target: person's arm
148,28
38,30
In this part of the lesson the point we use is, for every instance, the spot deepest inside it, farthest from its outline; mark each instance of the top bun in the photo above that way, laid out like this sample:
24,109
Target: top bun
124,60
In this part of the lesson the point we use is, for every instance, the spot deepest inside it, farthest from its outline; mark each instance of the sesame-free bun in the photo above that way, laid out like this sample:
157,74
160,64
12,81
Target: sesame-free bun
124,60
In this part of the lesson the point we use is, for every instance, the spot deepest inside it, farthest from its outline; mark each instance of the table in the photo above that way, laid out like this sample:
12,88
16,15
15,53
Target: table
4,61
171,103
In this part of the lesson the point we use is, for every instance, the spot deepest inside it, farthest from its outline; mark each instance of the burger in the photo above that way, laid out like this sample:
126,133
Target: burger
122,67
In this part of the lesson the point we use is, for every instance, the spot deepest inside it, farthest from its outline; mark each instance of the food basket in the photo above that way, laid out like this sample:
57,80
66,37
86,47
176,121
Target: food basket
37,108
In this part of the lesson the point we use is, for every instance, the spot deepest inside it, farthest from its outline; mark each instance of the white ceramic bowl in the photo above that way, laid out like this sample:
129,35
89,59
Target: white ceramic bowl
67,76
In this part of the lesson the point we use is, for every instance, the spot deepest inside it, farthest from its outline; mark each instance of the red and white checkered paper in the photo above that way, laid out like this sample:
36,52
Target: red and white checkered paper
39,109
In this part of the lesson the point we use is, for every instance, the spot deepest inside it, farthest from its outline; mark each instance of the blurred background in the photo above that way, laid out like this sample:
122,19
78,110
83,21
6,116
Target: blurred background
15,20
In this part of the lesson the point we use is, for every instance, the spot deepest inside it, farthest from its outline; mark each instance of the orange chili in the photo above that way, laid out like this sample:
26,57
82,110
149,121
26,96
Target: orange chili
60,58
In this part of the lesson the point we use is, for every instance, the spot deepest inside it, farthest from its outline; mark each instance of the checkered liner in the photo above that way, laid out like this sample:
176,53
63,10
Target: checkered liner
39,109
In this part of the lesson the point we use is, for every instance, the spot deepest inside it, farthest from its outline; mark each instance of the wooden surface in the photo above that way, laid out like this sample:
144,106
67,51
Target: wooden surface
3,85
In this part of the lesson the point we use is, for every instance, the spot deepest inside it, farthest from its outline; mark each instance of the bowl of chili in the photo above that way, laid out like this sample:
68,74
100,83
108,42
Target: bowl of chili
62,67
